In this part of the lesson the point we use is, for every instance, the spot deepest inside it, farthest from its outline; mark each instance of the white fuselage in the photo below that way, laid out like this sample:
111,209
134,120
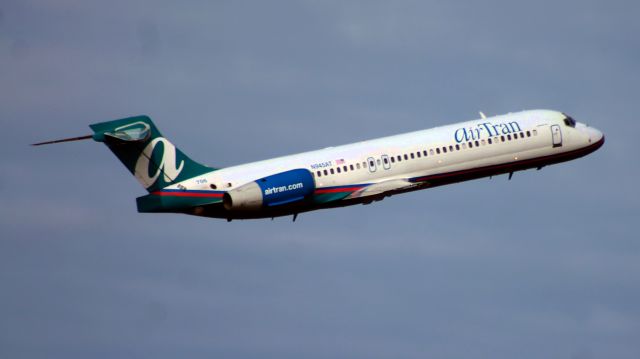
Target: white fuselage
481,143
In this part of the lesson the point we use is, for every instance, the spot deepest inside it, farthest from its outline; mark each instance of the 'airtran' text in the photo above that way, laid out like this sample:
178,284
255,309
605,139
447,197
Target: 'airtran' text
485,130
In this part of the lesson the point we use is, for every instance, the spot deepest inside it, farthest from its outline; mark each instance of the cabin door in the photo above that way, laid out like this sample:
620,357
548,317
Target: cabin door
385,162
372,164
556,135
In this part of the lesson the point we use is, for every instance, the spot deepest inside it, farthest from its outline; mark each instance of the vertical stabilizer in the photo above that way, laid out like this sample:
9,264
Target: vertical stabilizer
151,158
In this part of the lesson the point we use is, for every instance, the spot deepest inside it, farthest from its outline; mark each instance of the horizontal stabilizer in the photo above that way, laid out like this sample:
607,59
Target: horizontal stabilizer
87,137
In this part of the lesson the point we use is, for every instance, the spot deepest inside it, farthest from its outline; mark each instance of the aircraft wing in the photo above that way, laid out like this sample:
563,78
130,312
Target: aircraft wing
379,188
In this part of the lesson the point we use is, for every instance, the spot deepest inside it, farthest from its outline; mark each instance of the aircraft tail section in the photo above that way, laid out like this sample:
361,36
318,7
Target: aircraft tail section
150,157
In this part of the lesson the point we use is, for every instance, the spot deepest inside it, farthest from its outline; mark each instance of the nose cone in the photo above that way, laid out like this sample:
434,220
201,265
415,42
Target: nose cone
595,135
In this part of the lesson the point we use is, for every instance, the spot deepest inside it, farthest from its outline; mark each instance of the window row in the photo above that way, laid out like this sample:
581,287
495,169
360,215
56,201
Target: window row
426,153
340,169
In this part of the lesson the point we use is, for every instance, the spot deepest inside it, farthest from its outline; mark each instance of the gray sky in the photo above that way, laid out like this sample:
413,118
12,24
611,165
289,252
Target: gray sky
545,265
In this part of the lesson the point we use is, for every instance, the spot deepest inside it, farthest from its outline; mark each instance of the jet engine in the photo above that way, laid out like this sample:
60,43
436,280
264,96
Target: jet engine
278,189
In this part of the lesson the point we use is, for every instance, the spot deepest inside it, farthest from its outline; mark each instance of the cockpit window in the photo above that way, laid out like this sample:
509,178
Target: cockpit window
569,121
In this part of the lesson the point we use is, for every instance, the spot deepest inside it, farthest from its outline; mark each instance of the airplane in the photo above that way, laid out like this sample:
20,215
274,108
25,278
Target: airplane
356,173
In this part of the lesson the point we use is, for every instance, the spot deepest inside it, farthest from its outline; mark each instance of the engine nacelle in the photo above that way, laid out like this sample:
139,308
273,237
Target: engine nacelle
281,188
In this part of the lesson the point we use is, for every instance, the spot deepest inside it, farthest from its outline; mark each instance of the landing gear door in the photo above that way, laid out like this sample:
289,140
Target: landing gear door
556,135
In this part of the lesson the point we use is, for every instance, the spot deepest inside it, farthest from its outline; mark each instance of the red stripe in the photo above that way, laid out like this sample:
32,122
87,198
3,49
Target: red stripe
337,190
187,194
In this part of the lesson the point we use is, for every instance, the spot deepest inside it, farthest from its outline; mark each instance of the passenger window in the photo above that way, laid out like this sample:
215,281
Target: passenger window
521,135
528,133
385,160
412,156
351,167
378,160
332,171
509,137
464,146
438,150
338,169
393,159
535,132
444,149
344,168
371,163
489,140
502,138
319,174
515,136
213,186
483,142
431,152
424,153
457,147
364,164
477,143
450,148
406,157
418,154
358,165
326,173
470,144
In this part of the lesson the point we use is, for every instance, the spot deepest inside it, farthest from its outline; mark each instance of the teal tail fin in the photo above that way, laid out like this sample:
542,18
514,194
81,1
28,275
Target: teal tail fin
150,157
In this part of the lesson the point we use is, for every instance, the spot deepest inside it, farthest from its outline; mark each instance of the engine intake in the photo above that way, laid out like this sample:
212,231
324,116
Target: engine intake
275,190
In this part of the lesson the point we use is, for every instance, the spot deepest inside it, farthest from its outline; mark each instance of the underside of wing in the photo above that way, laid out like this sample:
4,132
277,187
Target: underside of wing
381,188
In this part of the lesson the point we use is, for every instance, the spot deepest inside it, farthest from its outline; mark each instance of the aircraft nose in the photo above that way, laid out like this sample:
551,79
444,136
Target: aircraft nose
595,135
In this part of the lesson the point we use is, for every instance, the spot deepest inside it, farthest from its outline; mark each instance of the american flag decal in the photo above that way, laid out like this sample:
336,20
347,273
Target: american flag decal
340,161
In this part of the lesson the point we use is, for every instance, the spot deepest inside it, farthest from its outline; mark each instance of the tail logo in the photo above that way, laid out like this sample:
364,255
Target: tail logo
167,165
